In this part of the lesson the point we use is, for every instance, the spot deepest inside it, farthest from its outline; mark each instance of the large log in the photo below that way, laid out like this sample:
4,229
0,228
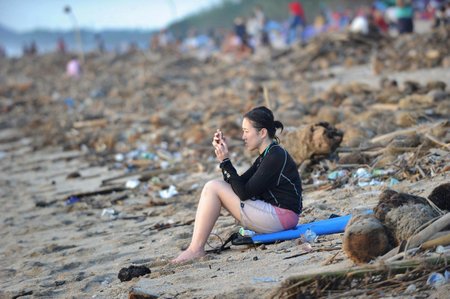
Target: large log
365,239
312,142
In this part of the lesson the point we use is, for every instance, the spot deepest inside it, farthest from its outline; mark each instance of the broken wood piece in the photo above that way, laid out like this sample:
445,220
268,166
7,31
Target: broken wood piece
389,254
438,142
389,107
90,123
298,285
425,234
330,259
141,162
119,197
101,191
414,130
443,240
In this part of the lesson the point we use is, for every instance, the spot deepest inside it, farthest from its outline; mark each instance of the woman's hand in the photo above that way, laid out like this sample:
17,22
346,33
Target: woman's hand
218,138
220,146
221,151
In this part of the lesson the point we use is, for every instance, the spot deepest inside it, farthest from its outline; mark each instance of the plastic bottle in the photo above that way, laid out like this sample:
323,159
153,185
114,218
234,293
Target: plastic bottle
246,232
310,236
435,279
411,289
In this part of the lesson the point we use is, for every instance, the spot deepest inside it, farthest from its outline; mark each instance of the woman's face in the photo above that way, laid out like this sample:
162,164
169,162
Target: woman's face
250,135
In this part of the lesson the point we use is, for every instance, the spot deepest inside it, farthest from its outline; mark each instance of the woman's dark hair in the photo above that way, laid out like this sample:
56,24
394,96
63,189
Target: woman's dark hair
262,117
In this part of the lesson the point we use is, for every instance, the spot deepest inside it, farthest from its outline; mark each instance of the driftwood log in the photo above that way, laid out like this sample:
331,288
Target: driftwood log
365,238
313,142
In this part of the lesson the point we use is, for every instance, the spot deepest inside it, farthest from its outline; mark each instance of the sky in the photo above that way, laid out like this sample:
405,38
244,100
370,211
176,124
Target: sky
26,15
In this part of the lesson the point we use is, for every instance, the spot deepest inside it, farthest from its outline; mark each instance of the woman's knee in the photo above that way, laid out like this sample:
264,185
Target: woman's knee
212,186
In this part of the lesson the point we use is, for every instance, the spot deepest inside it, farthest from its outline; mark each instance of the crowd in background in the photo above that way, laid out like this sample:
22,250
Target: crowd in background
255,32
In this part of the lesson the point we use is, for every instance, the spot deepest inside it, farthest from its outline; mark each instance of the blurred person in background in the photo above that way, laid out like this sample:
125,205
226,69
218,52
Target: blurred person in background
61,46
240,29
405,15
379,21
296,23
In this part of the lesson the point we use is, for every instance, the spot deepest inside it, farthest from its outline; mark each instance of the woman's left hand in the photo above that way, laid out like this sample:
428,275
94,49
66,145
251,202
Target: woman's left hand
221,151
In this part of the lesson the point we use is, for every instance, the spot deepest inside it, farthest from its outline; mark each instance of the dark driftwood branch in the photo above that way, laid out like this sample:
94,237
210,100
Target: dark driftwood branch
290,288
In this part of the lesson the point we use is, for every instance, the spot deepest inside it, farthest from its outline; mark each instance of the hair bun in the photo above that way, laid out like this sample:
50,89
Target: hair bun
278,125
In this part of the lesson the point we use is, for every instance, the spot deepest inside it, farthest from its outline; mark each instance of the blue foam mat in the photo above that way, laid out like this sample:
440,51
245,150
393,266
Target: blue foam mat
320,227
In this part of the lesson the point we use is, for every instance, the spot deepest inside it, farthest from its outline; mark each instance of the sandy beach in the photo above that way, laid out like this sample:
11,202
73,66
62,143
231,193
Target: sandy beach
52,150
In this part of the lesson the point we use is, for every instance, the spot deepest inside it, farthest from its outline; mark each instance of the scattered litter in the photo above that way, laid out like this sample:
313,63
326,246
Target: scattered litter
264,279
411,289
393,181
131,184
110,213
246,232
362,173
440,249
337,174
168,193
119,157
436,279
70,102
72,200
310,236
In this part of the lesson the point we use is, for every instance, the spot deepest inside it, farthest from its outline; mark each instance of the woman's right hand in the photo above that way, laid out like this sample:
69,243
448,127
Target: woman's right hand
221,151
218,138
220,146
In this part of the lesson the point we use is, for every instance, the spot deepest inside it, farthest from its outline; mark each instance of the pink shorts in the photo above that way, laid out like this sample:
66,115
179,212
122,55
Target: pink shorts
263,217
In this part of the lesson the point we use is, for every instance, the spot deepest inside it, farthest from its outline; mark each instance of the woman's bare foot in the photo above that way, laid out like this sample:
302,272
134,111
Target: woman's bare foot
188,255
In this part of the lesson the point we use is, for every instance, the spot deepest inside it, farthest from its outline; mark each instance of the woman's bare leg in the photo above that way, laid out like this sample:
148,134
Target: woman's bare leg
215,195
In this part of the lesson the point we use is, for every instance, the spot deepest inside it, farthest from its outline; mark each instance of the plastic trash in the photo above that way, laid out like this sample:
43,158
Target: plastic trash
133,183
119,157
2,155
310,236
71,200
436,279
411,289
105,282
447,275
70,102
164,164
393,181
148,156
246,232
110,213
168,193
372,182
337,174
381,172
264,279
362,173
440,249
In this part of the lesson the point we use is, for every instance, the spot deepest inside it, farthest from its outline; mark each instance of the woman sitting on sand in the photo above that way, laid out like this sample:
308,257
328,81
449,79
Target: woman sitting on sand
266,198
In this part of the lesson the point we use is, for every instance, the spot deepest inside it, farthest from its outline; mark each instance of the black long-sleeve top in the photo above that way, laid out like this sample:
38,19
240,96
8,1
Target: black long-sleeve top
273,178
